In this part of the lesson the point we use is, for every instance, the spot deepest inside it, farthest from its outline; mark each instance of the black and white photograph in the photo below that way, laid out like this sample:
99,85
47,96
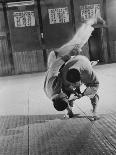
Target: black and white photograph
57,77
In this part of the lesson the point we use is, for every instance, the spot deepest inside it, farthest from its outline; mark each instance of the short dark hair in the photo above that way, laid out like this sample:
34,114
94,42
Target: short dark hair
73,75
60,104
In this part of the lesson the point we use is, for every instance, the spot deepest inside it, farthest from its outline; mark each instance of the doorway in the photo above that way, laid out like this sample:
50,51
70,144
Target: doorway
95,45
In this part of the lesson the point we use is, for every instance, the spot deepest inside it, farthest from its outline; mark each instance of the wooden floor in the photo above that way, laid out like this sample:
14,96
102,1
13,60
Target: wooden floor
53,135
28,128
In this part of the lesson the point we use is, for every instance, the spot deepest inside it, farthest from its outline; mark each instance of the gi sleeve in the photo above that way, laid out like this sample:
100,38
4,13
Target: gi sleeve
92,83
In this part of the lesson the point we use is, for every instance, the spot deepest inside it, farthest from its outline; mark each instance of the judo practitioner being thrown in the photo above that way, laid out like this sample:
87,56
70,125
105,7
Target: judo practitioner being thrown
68,70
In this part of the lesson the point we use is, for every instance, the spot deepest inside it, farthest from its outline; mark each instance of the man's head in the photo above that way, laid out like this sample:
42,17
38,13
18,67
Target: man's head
73,75
60,102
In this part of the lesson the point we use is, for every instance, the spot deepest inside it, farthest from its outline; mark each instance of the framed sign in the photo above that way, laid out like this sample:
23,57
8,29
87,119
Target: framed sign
24,18
58,15
88,11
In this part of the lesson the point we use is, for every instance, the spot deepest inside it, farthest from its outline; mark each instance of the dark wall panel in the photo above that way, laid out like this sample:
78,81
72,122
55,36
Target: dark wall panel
6,65
84,9
24,27
111,18
57,22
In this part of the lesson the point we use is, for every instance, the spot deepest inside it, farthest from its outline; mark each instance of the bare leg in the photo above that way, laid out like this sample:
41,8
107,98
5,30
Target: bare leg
94,102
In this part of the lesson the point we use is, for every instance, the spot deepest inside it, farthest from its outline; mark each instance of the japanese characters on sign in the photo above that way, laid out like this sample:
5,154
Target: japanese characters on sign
24,18
88,11
58,15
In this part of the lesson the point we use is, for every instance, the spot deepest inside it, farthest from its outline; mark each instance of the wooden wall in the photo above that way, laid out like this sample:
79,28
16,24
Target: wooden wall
6,66
24,49
111,23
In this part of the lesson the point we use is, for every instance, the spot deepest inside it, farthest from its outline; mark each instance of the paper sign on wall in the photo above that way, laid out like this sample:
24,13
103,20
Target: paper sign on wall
88,11
24,18
58,15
